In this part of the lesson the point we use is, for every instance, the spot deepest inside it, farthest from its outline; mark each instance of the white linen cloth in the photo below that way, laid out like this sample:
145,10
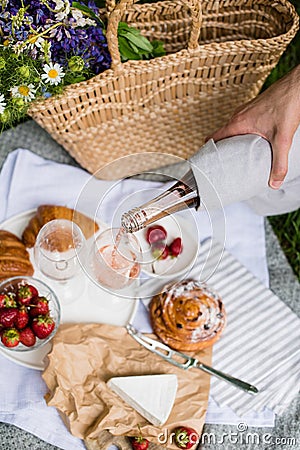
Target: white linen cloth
261,341
26,181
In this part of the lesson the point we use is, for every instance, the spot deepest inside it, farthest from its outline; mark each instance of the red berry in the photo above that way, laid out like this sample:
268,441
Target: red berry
22,318
186,437
139,443
155,234
26,293
8,317
42,326
8,301
10,337
159,250
27,337
176,247
39,307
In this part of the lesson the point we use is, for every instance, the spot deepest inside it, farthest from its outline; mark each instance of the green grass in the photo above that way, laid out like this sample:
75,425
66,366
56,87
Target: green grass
287,229
287,226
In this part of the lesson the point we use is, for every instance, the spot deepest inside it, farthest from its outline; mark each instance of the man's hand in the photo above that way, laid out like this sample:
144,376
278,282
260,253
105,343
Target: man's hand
274,115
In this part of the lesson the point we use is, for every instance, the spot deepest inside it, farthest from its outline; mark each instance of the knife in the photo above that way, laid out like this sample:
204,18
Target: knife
186,362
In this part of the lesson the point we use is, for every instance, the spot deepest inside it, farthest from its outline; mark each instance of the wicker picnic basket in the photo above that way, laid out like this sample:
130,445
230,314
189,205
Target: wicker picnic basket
218,55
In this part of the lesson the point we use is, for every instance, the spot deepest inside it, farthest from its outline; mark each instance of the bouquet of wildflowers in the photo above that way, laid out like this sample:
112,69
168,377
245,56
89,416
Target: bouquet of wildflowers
46,45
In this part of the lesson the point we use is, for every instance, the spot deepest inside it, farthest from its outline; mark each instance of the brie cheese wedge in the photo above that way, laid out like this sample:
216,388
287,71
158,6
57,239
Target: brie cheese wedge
152,396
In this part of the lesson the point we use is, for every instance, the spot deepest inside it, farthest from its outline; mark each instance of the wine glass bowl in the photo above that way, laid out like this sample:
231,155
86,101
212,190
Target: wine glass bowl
113,260
11,285
59,254
57,248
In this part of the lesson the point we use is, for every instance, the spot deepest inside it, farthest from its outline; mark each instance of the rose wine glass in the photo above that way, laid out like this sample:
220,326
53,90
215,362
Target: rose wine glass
114,259
58,253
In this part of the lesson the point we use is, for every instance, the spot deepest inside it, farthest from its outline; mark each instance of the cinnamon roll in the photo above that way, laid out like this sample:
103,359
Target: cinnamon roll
187,315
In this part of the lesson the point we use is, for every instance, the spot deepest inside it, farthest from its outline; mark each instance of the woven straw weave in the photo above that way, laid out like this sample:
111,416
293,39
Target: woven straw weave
218,55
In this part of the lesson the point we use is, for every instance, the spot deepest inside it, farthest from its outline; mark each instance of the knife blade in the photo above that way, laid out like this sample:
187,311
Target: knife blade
186,362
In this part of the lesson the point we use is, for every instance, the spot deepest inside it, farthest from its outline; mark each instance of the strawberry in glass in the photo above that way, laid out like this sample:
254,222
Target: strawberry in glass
27,337
26,293
42,326
22,318
10,337
8,301
39,307
8,317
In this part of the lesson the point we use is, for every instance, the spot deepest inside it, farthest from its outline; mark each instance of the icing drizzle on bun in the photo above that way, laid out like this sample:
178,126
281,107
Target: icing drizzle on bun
187,315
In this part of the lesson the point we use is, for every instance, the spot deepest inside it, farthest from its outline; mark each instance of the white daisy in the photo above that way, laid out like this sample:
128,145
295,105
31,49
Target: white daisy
24,91
53,73
36,41
2,103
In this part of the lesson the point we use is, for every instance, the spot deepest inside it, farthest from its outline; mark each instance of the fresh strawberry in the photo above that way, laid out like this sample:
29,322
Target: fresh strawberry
10,337
22,318
26,293
176,247
186,437
139,443
8,317
155,234
159,250
39,307
42,326
27,337
8,301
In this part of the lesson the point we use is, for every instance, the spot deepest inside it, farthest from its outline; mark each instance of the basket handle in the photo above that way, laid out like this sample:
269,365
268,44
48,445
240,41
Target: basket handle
110,5
119,9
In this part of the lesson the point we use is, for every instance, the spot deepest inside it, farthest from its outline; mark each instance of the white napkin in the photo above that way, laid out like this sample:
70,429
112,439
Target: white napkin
27,181
261,341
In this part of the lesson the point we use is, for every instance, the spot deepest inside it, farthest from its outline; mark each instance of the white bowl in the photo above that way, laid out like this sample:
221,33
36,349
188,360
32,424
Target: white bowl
176,225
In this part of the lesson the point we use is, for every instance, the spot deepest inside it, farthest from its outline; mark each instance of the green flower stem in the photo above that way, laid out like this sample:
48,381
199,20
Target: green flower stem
43,33
44,2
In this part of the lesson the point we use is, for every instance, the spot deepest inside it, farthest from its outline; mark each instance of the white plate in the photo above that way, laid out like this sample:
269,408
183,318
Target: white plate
176,225
107,308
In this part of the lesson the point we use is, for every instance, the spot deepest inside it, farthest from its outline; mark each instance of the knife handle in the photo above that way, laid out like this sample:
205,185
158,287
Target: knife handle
224,376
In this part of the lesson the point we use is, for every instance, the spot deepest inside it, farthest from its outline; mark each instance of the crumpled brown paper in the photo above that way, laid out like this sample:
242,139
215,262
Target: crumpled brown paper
85,356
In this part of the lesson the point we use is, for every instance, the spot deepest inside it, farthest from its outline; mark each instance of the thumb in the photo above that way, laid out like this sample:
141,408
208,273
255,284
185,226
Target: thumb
280,154
224,132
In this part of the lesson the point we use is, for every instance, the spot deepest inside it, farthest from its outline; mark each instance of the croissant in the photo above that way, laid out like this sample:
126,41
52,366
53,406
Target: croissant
14,258
187,316
45,213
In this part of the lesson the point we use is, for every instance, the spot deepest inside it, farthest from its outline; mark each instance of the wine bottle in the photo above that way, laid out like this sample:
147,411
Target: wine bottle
232,170
183,194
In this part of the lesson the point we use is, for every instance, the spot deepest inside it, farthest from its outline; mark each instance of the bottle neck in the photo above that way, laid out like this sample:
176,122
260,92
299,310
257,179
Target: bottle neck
183,194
